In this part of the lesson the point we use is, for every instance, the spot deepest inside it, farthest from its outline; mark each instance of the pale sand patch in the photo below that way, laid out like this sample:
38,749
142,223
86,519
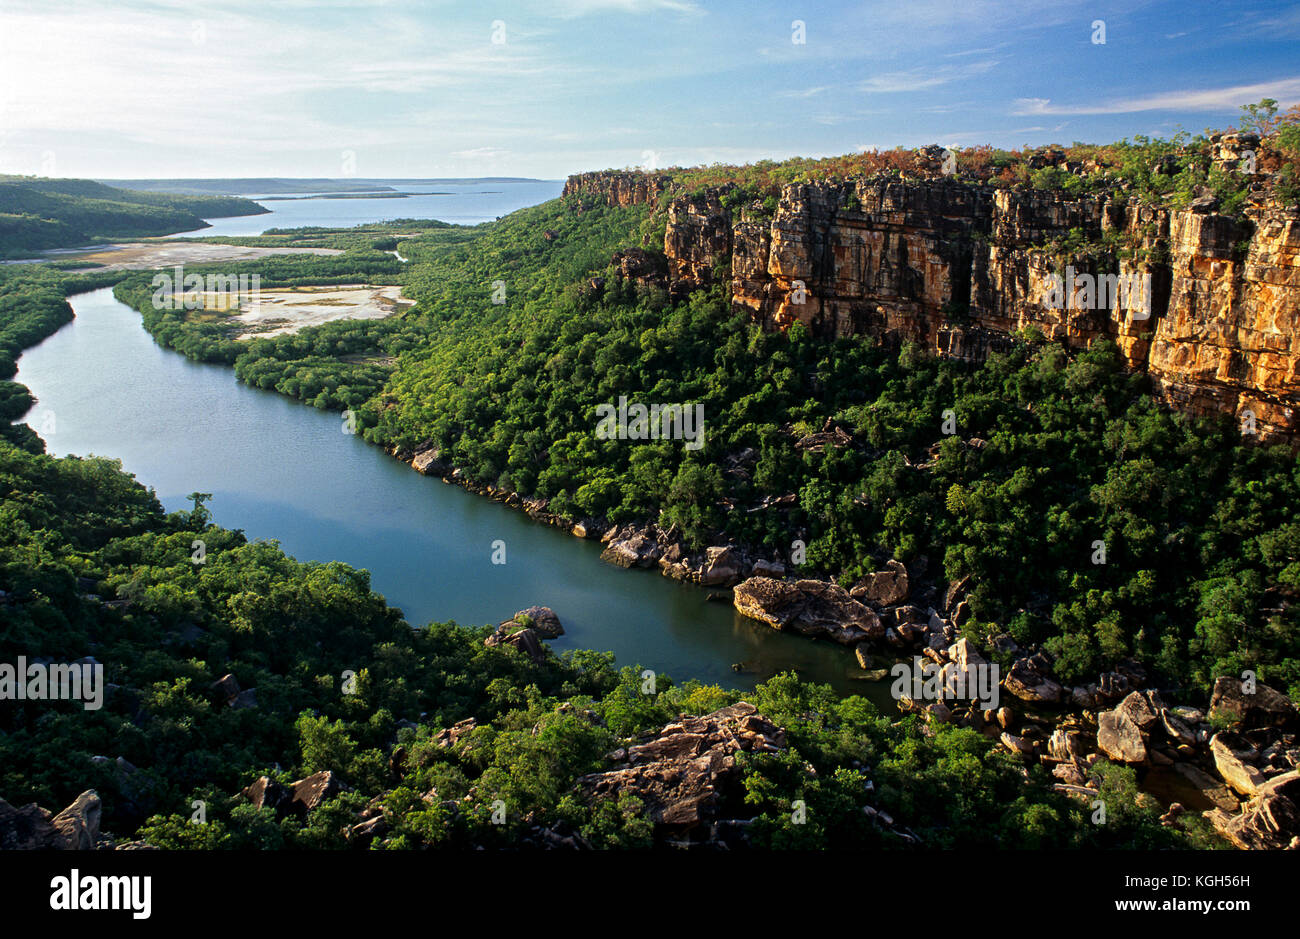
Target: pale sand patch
144,256
279,312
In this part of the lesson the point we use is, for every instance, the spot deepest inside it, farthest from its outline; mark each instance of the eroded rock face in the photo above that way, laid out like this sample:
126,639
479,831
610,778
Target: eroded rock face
32,828
79,822
1264,707
698,234
1241,776
1229,342
1269,821
618,189
811,607
960,268
680,772
28,829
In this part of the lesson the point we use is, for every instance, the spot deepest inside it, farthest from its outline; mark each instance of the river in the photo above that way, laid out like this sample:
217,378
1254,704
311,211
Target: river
281,469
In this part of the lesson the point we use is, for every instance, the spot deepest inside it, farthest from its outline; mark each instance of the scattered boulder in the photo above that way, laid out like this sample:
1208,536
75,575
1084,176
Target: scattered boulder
526,630
429,462
265,793
1120,738
541,619
245,699
1016,744
765,568
863,655
363,833
450,736
1210,789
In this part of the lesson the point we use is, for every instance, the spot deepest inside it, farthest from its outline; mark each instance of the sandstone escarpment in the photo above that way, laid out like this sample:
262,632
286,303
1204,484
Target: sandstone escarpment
1206,303
618,189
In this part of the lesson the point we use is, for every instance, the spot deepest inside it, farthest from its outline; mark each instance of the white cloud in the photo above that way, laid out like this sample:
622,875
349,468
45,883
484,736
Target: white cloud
1285,90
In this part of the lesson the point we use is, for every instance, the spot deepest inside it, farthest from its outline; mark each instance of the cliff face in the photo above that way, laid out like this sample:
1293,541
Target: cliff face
618,188
1211,313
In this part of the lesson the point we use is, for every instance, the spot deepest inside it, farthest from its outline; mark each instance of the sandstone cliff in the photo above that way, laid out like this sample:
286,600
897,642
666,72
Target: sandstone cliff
960,268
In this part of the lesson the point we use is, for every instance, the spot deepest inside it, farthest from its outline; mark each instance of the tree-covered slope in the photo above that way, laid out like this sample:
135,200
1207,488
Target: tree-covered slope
38,213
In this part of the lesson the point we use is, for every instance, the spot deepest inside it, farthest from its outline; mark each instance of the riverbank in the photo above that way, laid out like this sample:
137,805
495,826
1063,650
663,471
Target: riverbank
1234,763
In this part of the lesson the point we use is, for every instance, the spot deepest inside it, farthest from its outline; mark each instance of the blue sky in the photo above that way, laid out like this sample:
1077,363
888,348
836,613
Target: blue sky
334,88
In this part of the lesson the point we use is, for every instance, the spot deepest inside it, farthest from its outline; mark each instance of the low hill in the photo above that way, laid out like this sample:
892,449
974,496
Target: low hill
38,213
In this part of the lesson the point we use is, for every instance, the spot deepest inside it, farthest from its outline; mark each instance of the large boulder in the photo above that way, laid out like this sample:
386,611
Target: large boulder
1122,732
1029,683
812,607
32,828
886,588
429,462
1264,707
79,822
266,793
309,792
450,736
722,567
635,550
525,640
1120,738
1227,750
226,689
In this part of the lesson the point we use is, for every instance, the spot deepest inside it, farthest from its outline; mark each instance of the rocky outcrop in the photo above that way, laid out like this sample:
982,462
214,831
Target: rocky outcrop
811,607
526,630
961,268
681,773
32,828
1269,821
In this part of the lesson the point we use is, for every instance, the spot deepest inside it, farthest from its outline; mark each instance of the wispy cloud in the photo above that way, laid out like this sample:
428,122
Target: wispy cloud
920,78
1228,98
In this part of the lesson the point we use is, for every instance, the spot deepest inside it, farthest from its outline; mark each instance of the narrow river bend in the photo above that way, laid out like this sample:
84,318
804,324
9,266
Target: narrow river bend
281,469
